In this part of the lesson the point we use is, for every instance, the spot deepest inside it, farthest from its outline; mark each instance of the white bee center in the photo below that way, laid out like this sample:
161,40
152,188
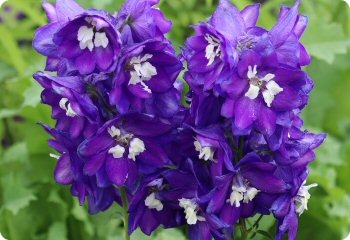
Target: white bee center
205,153
117,151
213,49
89,38
136,147
66,106
190,211
266,85
152,203
303,197
142,71
114,132
241,192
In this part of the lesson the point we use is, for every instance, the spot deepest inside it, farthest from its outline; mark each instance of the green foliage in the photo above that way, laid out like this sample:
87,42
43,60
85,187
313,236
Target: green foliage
33,207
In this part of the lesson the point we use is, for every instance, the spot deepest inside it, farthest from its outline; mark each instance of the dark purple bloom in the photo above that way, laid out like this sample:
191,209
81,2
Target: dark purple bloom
69,171
236,193
259,92
77,39
71,105
125,147
287,207
146,71
140,20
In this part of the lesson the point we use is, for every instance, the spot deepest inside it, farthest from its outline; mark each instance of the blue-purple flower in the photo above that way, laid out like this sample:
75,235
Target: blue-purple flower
78,40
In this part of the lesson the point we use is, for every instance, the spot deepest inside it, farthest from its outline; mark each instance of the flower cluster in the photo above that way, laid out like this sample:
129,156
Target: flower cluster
238,149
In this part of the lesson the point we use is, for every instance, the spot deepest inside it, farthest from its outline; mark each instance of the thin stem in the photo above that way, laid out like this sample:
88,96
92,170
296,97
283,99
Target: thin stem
256,224
244,231
125,213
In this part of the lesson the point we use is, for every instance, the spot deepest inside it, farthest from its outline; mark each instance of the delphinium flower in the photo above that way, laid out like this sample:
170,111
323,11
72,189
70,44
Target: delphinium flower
114,101
78,40
248,82
239,148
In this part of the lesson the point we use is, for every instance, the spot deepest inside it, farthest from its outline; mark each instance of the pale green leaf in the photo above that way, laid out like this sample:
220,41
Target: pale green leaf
58,231
16,195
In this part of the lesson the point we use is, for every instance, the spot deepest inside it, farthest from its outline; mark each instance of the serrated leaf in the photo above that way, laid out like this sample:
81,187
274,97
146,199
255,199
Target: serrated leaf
32,96
58,231
325,40
16,196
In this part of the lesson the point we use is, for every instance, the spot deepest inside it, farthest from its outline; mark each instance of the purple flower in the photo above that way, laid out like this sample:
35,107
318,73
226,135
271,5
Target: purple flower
71,105
238,193
210,58
156,200
69,171
146,71
260,91
139,20
77,39
288,206
125,147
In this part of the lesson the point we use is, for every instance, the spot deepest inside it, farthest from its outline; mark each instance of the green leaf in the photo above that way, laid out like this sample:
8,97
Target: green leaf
170,234
16,195
58,231
13,51
330,41
32,95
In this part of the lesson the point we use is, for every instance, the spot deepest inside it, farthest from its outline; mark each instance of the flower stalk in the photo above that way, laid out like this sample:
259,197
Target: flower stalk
125,213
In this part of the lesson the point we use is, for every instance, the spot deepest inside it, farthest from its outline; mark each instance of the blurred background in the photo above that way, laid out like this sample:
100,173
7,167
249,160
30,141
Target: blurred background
33,207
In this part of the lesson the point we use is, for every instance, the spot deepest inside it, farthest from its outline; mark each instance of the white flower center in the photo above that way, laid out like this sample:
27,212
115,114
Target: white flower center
241,192
136,147
90,38
55,156
114,132
266,84
152,203
205,153
142,71
213,48
190,211
302,198
66,106
117,151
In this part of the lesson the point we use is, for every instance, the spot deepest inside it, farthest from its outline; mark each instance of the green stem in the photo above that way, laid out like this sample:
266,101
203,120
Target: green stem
125,213
244,231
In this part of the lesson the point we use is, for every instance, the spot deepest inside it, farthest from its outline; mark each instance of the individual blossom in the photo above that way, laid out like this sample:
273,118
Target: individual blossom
71,105
77,40
211,54
125,147
262,92
156,200
140,20
69,171
241,192
147,71
288,206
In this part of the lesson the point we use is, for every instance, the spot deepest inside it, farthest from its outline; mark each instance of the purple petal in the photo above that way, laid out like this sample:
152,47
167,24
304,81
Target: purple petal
250,15
43,42
50,11
63,172
266,120
94,163
67,9
227,109
117,170
104,57
246,111
85,63
281,31
228,20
